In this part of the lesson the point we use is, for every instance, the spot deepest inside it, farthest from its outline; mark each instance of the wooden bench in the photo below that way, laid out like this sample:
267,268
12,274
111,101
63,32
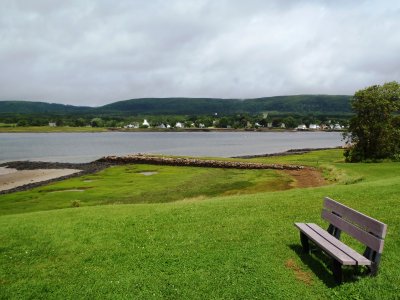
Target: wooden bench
368,231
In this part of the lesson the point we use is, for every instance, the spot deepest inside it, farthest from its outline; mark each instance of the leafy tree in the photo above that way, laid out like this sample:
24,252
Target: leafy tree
224,122
22,123
80,122
374,131
110,123
207,121
276,122
290,122
59,122
97,122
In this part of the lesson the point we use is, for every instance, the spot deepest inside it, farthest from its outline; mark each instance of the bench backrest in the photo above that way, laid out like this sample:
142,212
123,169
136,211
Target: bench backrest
365,229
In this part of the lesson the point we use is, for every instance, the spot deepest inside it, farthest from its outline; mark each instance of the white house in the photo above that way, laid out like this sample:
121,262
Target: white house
337,127
52,124
314,127
134,125
302,127
162,126
179,125
283,125
145,123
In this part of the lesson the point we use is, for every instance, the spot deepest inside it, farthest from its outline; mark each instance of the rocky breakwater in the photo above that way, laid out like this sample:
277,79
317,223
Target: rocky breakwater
192,162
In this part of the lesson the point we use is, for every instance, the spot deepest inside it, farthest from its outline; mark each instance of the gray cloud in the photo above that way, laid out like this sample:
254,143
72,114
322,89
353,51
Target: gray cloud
95,52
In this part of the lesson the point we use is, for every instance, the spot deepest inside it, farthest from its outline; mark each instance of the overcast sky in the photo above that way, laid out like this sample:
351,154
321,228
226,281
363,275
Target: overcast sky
96,52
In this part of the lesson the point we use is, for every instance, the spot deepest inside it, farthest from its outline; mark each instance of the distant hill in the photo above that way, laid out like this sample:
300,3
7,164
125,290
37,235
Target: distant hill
28,107
302,104
177,106
292,104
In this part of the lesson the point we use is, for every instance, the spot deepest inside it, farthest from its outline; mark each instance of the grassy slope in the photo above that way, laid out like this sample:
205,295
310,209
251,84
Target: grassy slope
230,247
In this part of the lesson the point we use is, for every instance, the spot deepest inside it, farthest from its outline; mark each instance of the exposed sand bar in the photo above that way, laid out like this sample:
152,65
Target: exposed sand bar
12,178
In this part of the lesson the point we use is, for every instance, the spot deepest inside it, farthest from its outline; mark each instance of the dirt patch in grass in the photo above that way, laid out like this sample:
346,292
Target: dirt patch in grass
306,177
70,190
300,275
148,173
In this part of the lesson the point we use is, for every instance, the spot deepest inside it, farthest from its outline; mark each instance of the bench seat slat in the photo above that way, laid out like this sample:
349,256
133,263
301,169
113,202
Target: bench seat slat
333,251
361,260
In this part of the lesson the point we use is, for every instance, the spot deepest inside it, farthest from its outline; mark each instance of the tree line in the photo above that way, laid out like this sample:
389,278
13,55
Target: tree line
235,121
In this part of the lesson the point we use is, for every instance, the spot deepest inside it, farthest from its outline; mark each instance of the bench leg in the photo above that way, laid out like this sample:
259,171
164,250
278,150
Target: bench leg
373,269
375,257
304,243
337,271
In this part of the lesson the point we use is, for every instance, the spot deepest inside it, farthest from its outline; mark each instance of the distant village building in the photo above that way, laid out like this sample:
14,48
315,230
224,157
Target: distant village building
302,127
162,126
314,127
130,126
283,125
201,125
52,124
145,123
324,126
337,127
179,125
269,125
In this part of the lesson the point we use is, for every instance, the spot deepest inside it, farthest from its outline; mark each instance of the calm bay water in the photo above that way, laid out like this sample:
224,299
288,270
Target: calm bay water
86,147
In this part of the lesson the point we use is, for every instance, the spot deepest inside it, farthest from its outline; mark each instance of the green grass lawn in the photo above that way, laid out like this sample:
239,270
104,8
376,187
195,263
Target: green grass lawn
222,247
144,184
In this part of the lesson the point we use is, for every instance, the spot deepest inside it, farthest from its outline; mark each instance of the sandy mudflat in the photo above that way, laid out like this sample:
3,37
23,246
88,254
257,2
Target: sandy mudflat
12,178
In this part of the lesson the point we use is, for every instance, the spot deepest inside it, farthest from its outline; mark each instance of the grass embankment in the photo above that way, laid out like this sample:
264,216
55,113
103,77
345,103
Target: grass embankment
225,247
40,129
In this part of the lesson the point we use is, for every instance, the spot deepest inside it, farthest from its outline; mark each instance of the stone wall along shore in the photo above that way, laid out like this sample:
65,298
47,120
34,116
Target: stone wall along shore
192,162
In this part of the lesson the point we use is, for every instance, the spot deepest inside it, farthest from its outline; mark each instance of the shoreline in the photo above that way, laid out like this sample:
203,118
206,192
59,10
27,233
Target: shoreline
20,166
288,152
47,129
105,162
13,178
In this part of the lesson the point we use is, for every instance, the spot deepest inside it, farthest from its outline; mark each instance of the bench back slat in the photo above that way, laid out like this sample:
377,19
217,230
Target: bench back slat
364,237
366,223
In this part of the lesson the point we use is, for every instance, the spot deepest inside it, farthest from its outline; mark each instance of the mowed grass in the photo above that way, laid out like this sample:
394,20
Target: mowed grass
231,247
144,184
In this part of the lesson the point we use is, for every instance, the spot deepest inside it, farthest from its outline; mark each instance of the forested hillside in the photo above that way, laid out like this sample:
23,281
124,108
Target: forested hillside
301,104
179,106
28,107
